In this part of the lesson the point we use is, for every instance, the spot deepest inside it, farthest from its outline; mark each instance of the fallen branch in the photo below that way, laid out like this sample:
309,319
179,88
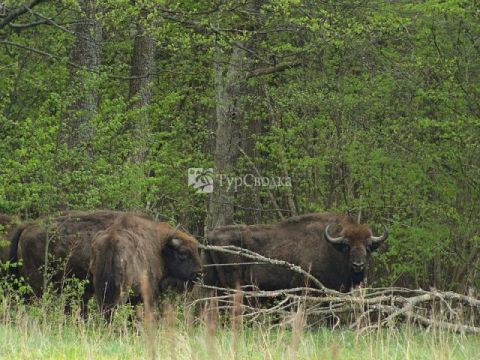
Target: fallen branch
234,250
363,309
360,311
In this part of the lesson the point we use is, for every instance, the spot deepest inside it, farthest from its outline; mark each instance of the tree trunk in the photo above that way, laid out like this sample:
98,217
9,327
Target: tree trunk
230,86
85,54
228,93
142,66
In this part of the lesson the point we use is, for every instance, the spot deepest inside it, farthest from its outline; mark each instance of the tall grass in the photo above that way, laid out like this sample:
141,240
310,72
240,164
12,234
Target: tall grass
43,330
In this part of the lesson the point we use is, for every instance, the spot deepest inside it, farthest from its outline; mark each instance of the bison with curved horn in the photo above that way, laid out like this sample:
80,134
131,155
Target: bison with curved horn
331,247
132,257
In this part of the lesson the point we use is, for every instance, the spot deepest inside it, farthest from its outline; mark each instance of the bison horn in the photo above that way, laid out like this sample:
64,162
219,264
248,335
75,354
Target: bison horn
337,240
176,242
379,239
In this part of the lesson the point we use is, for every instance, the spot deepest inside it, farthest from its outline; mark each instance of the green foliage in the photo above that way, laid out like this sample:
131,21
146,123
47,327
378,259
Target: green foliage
12,287
382,116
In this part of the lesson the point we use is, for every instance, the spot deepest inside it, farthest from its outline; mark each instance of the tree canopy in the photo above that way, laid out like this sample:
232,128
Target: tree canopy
369,107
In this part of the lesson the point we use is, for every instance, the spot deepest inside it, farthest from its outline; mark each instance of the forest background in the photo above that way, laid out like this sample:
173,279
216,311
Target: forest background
369,107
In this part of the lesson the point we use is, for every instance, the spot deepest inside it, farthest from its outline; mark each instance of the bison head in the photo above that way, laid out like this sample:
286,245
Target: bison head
182,260
356,241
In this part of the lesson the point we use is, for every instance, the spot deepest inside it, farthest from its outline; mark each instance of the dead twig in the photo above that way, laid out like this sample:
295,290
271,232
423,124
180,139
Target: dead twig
445,310
234,250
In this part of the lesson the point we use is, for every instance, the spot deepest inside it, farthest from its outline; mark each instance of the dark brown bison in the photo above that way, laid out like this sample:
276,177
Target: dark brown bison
7,227
132,257
64,241
332,247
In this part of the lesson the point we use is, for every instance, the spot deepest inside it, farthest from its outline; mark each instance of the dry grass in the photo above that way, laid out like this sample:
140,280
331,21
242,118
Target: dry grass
43,331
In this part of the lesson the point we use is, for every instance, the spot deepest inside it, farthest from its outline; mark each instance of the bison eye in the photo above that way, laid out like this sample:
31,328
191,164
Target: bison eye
182,256
346,248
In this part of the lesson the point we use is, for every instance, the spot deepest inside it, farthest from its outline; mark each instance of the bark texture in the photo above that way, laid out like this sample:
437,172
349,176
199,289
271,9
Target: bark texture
230,85
142,66
85,54
228,93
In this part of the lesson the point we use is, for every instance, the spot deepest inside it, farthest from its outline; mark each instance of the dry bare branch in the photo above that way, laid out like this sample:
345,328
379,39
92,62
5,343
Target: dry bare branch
234,250
364,309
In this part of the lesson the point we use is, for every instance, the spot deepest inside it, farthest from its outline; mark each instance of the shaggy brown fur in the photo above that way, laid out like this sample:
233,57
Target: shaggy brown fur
7,227
135,252
298,240
67,241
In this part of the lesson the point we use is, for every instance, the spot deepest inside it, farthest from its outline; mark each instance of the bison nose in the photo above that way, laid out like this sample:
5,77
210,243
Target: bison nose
358,266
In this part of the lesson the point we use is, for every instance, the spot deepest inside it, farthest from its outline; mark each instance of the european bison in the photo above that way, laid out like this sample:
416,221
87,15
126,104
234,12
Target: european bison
7,227
66,240
332,247
132,257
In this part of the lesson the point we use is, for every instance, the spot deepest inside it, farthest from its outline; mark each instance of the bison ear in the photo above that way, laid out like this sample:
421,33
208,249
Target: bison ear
174,242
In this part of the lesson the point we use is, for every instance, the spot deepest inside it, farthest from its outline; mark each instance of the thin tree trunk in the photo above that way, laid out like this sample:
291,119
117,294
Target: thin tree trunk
142,66
228,93
85,53
229,90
